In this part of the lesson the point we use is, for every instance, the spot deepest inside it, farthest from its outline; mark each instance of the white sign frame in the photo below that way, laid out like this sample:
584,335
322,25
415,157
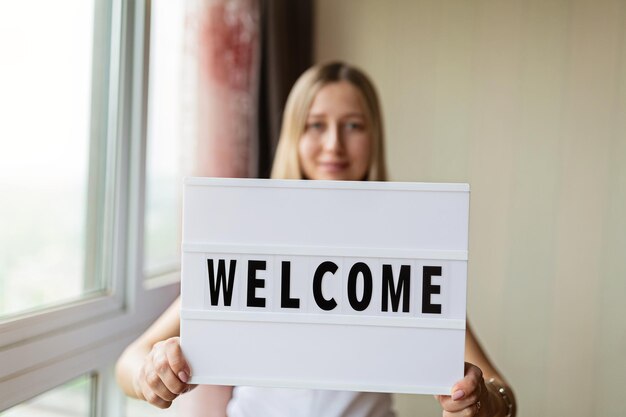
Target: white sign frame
306,223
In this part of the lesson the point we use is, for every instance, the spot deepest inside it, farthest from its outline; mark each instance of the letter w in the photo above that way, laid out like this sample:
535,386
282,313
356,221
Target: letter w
219,283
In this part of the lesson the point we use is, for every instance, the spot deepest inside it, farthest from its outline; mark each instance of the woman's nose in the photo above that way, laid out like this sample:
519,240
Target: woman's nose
333,140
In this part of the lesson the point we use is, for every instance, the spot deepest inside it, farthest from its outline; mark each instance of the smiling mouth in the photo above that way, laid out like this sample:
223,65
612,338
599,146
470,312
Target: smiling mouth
333,166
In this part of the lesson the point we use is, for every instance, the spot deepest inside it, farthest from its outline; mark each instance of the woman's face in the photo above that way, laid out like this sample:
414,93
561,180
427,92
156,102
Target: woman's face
337,140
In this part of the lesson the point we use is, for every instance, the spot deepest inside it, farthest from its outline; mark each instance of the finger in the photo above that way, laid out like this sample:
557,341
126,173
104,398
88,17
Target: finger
452,406
466,392
156,385
448,403
177,360
151,397
471,411
153,381
148,385
164,370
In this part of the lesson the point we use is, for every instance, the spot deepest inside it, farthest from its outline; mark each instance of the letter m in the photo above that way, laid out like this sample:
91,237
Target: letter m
218,282
391,291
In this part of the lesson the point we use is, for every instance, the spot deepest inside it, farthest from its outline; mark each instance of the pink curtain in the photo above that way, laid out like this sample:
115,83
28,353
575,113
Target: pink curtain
222,42
226,82
220,81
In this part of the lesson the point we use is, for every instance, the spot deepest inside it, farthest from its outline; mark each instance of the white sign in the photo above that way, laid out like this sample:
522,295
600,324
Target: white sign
325,284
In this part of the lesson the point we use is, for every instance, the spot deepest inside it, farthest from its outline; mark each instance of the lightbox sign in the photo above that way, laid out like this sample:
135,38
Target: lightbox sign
325,284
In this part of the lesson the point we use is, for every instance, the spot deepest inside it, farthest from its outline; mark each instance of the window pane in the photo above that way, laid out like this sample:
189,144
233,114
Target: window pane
164,157
45,80
71,399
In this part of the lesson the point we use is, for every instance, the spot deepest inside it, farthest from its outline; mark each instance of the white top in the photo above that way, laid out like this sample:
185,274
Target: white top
281,402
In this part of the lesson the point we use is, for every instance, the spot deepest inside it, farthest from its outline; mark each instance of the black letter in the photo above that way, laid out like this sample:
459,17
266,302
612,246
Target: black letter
323,303
254,283
215,285
285,300
362,268
428,289
388,287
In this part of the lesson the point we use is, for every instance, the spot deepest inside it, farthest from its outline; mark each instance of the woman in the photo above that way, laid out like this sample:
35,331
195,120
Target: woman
332,130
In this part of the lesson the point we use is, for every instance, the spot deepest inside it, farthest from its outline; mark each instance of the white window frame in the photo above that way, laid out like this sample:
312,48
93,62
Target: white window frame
47,348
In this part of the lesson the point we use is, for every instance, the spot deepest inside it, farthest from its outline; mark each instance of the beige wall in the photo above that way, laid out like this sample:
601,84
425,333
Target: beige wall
526,101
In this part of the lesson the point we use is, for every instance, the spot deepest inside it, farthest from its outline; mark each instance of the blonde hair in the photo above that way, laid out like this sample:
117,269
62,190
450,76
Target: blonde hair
286,162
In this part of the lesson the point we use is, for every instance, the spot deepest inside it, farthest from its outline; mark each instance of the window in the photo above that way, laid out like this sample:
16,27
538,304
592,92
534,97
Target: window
44,165
72,178
70,400
165,164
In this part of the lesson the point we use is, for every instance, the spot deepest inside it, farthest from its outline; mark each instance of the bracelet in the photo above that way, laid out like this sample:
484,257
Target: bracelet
503,393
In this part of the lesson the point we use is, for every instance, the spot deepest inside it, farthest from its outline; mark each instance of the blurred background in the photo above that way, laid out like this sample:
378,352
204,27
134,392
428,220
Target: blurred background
524,100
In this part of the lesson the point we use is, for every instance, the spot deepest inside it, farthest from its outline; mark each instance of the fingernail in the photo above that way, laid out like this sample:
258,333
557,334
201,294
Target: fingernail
183,376
458,394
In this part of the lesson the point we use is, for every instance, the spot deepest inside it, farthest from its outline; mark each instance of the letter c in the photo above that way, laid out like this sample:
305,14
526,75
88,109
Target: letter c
321,270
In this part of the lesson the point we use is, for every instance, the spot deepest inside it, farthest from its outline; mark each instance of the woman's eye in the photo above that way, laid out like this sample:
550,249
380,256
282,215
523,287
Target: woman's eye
354,126
318,126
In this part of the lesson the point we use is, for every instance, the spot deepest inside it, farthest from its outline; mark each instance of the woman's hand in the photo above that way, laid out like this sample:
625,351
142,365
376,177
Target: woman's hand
163,375
470,396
